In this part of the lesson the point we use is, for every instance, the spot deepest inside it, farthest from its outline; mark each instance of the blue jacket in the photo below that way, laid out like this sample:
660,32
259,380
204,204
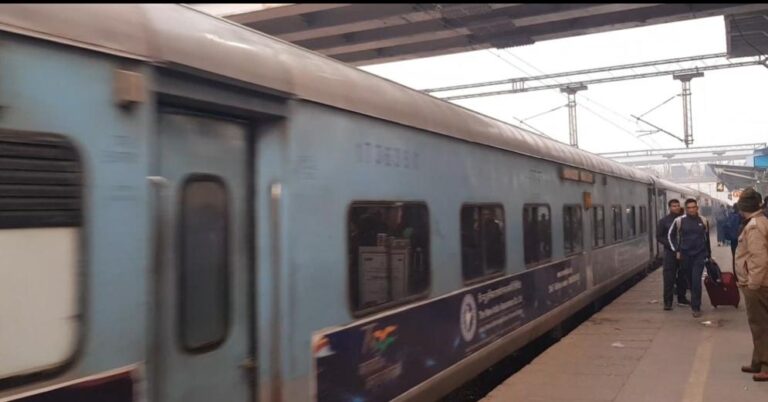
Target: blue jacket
732,226
689,235
662,230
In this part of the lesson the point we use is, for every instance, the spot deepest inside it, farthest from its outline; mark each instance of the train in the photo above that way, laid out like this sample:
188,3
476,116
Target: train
191,210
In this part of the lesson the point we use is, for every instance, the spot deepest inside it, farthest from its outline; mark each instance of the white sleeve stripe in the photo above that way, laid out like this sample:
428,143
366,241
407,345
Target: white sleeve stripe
669,233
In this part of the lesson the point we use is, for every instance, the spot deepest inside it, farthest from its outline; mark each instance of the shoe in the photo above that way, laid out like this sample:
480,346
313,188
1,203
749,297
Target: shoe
750,369
761,376
696,314
684,302
667,307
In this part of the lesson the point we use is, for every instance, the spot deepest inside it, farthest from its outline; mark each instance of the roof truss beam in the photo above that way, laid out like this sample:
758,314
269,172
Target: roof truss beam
493,19
545,31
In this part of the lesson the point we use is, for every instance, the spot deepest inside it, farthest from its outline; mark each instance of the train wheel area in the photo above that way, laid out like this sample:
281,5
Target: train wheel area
632,350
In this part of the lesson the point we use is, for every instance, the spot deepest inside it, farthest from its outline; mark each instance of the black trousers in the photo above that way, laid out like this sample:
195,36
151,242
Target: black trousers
693,264
674,274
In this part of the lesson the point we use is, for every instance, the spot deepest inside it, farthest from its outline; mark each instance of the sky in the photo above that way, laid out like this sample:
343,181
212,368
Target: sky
728,105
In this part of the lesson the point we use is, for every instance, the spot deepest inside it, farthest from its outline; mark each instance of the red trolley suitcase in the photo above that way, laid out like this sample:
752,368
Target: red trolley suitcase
725,293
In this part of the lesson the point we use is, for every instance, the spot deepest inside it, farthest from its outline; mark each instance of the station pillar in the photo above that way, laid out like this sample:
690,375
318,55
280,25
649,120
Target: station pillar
572,126
685,79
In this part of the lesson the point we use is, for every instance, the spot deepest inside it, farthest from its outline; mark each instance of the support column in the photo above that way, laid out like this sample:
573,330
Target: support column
572,126
685,79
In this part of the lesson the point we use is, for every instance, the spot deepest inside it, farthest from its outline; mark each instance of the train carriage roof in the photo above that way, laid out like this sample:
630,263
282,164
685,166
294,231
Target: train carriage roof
174,34
668,185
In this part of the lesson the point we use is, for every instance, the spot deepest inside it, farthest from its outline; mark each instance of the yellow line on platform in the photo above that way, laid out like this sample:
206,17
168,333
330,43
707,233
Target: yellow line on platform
694,390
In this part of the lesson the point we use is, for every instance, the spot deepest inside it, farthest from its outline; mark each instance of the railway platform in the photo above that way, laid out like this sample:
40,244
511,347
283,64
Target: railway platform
633,351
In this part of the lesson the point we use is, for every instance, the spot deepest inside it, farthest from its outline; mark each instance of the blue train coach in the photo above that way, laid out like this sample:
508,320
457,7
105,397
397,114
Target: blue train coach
194,211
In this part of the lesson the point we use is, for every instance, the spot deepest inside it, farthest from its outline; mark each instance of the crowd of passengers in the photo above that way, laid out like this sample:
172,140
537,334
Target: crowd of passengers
688,254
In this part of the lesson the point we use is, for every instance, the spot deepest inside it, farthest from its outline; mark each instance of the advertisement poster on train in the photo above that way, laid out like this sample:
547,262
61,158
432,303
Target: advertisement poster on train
383,357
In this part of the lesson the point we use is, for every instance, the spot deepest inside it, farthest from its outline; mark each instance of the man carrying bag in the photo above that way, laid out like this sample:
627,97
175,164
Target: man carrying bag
689,238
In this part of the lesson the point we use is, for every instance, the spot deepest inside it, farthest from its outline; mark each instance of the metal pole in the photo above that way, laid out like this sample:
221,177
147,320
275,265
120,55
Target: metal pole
685,79
687,122
572,125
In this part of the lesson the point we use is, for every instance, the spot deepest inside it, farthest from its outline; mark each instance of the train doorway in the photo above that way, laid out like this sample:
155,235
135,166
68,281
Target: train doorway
203,349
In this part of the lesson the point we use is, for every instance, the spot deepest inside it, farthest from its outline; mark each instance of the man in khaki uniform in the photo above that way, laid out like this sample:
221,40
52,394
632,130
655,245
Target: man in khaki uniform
752,275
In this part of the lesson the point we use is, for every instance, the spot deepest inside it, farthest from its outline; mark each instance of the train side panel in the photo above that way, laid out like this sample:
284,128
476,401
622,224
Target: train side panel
337,158
101,272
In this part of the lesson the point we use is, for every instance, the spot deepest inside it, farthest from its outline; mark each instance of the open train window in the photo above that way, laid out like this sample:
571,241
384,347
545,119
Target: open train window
203,264
537,233
41,207
643,220
631,221
618,233
483,251
598,226
572,229
388,253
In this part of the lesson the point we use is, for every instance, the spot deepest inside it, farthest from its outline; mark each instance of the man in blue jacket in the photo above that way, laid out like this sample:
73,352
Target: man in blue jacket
689,238
732,230
673,275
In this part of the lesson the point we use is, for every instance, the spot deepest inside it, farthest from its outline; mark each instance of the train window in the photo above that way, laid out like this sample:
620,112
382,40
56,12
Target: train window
537,233
483,250
618,232
41,186
203,262
643,220
631,221
598,226
388,253
572,229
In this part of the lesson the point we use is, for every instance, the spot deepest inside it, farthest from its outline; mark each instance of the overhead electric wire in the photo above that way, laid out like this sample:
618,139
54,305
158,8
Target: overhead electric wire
543,113
444,23
660,105
588,99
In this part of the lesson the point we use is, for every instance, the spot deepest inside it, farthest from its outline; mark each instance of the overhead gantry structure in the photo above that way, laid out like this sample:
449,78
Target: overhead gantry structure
363,34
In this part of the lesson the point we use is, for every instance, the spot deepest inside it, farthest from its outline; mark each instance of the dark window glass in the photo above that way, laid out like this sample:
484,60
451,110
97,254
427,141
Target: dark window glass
203,274
643,220
482,241
40,181
388,252
618,233
631,222
537,233
572,229
598,226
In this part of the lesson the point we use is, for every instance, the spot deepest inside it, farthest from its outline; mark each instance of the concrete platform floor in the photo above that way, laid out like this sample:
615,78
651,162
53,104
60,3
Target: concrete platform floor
633,351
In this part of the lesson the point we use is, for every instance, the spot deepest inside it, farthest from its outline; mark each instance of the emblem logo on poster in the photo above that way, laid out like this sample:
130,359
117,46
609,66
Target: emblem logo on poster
468,317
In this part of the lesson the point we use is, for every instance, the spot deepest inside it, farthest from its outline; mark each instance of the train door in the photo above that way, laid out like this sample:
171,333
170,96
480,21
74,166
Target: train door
661,210
203,329
650,220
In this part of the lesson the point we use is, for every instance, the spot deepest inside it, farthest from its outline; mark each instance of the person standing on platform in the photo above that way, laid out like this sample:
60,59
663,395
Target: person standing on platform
732,230
689,238
752,277
720,218
673,275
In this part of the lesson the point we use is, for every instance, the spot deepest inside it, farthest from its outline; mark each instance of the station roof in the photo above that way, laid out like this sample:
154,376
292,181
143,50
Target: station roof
362,34
740,177
747,34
